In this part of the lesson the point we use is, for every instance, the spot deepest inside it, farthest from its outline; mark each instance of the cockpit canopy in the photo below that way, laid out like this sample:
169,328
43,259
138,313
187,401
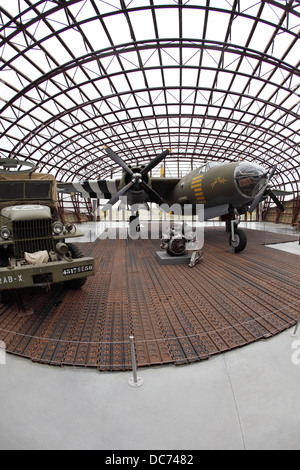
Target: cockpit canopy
209,166
250,179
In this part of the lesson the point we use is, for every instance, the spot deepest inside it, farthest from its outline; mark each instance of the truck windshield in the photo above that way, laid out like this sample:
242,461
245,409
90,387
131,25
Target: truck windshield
25,190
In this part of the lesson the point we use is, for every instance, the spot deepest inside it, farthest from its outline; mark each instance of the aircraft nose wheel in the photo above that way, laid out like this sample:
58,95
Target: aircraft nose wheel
238,241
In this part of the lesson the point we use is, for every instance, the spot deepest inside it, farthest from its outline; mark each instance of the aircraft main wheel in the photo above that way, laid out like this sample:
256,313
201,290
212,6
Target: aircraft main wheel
240,240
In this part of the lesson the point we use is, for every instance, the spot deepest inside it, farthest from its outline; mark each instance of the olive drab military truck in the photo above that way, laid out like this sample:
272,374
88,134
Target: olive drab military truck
34,248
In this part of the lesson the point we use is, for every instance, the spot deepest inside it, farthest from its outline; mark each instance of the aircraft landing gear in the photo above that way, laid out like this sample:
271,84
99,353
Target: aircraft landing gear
238,238
134,224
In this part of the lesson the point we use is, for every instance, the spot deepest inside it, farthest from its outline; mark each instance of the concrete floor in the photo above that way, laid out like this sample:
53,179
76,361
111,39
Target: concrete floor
244,399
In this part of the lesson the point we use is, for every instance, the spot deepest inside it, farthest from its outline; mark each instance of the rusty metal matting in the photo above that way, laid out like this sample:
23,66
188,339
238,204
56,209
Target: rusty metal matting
176,314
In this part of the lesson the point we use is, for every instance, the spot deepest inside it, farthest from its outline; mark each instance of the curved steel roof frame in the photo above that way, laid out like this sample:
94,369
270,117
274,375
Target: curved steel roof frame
211,79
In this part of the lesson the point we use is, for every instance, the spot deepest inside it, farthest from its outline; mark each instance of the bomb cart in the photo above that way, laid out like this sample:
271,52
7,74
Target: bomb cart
34,248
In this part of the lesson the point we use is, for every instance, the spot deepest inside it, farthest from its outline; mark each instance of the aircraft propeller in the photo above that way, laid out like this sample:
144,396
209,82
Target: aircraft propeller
265,192
137,182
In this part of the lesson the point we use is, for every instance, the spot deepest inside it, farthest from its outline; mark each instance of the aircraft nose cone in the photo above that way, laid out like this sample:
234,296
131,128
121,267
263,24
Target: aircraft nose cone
250,179
137,178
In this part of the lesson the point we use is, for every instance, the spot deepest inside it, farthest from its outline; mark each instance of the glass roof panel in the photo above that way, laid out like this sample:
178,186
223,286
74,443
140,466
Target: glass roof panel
216,79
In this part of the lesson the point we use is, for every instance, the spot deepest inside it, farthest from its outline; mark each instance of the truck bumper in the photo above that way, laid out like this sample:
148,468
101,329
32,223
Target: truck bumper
43,274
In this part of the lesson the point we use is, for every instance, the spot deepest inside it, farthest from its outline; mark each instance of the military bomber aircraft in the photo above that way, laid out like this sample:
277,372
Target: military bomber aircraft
226,190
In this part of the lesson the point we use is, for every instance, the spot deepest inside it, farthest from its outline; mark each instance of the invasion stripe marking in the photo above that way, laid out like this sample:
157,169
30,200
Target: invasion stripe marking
94,186
80,189
95,189
112,186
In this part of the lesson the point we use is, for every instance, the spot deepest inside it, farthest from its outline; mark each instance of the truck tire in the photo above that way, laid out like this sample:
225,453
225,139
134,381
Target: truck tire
75,284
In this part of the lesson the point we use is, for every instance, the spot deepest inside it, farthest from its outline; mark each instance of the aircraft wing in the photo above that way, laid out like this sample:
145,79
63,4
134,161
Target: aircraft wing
105,189
102,189
163,186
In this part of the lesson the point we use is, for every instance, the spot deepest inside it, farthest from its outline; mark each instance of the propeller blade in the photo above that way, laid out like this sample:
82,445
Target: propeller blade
156,197
118,160
155,162
276,200
264,192
255,203
117,196
272,172
136,182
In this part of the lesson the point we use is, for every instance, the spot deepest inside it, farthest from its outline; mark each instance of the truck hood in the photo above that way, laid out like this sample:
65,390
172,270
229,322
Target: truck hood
26,212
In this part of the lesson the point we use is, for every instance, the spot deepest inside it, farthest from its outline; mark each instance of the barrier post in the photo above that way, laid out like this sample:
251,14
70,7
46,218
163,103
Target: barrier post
2,353
295,332
134,381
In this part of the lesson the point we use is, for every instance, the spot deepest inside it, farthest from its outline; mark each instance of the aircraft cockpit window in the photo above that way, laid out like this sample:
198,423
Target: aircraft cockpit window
209,166
250,180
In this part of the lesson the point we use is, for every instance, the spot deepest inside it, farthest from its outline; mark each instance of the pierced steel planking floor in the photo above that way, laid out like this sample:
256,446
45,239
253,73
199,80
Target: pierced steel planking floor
177,314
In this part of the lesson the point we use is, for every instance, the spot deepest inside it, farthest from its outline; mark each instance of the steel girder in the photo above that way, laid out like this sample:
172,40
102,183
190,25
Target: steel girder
212,79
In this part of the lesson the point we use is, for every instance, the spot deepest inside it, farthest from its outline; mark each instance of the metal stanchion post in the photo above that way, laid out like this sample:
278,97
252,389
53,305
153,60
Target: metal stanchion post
2,353
295,332
134,381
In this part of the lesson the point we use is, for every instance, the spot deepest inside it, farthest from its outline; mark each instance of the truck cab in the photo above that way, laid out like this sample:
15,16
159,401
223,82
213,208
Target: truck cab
34,248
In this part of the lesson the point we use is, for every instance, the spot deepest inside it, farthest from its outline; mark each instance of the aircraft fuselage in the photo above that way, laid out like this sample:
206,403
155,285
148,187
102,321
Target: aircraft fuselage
232,184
